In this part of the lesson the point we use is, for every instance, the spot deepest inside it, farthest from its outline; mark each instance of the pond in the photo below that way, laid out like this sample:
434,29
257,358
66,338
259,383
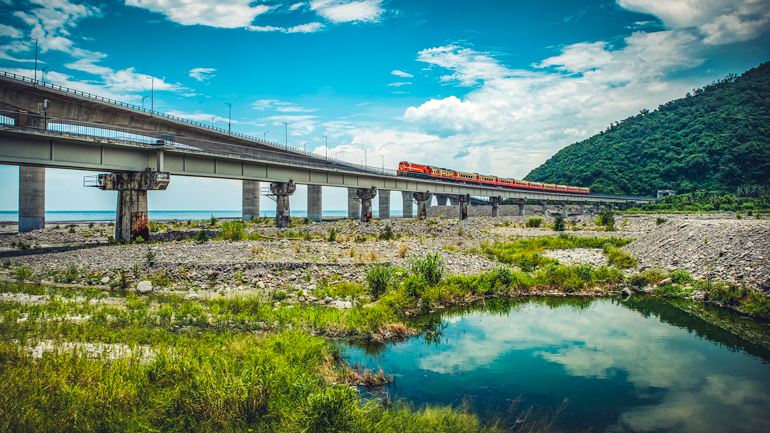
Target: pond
611,365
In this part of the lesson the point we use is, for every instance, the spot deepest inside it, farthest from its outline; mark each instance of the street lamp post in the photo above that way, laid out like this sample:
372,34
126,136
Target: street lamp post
264,135
152,93
143,98
365,158
326,146
383,162
230,118
336,154
35,39
287,133
42,74
212,122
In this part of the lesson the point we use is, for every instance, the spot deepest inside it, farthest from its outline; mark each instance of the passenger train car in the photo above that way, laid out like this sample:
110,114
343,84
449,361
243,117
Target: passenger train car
427,172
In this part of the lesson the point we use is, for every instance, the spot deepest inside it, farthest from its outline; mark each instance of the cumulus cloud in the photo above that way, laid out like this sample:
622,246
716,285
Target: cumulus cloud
718,21
340,11
402,74
223,13
296,6
202,74
399,84
302,28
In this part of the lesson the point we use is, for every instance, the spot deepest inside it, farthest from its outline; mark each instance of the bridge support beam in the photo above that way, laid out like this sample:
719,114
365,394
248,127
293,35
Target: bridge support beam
282,192
564,207
132,219
314,203
495,205
31,198
384,202
354,206
250,200
408,204
463,200
521,203
544,204
441,199
422,198
611,206
366,195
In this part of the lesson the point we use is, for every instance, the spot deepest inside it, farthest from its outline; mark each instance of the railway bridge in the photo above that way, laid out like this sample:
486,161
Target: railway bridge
137,151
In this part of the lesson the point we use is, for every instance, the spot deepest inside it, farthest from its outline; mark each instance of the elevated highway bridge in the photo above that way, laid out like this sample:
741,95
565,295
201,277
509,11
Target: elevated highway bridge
137,160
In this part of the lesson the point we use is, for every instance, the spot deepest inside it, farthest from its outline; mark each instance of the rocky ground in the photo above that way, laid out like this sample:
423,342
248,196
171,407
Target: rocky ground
715,246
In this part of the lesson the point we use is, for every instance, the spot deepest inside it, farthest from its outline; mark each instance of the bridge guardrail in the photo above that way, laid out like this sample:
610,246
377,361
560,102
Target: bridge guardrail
110,101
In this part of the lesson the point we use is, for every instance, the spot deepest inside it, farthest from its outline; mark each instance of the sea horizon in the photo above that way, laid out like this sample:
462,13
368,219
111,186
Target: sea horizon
161,215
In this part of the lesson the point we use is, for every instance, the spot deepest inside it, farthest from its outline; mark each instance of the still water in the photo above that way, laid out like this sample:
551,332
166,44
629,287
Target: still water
636,365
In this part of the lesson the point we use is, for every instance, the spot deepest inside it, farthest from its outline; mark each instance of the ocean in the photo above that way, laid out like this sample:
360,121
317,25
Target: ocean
161,215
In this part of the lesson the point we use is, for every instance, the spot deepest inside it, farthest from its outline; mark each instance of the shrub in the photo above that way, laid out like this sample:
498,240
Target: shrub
280,295
728,293
659,221
534,222
201,236
379,277
680,277
607,219
558,223
431,268
332,235
213,221
674,292
502,275
233,230
387,234
150,255
618,258
71,273
72,229
22,273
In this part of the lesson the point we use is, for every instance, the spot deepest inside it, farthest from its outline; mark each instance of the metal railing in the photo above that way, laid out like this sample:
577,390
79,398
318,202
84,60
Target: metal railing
126,105
159,139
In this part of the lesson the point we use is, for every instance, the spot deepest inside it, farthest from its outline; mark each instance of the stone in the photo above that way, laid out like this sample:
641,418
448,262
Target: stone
664,282
192,296
105,280
626,292
144,287
261,284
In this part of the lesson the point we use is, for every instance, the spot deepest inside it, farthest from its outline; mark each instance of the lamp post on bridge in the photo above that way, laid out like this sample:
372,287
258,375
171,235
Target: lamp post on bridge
143,98
212,121
152,93
42,74
35,39
264,135
230,116
287,133
383,162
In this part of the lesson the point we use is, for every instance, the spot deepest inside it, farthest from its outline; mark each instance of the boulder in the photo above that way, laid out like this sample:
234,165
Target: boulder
664,282
144,287
626,292
105,280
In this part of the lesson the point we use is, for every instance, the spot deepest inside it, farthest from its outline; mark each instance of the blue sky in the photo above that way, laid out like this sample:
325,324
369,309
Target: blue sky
488,86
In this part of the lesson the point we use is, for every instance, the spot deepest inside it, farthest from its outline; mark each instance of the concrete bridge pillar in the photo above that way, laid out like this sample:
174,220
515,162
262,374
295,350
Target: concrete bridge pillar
132,219
31,199
314,203
582,207
354,206
366,195
495,205
441,199
384,197
282,192
422,198
250,200
464,200
564,207
611,206
408,204
521,203
453,200
544,204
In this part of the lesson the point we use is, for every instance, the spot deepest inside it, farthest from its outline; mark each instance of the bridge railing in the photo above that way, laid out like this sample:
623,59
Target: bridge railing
159,139
80,93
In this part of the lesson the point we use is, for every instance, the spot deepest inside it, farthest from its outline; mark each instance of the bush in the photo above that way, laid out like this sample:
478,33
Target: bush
213,221
431,268
379,277
71,273
332,235
607,219
22,273
674,292
659,221
387,234
728,293
558,223
681,277
618,258
534,222
233,230
502,275
150,255
201,236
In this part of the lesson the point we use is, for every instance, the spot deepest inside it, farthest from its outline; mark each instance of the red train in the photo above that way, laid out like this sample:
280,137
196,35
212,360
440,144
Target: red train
427,172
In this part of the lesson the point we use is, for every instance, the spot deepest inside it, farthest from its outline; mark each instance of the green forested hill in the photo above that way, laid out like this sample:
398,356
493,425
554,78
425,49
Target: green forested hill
716,139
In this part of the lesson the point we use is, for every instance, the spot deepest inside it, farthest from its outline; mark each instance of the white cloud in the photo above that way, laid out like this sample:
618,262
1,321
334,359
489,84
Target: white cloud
9,31
281,106
398,84
719,21
302,28
202,74
221,13
296,6
339,11
402,74
298,125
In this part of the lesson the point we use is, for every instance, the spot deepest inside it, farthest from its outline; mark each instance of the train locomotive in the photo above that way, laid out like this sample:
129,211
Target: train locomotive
427,172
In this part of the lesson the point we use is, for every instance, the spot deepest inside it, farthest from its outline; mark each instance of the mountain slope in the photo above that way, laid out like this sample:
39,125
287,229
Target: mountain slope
716,139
